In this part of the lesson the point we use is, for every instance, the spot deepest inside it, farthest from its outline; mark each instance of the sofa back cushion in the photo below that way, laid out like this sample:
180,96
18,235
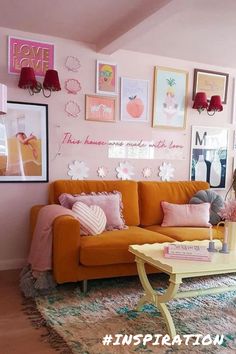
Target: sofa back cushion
128,189
151,194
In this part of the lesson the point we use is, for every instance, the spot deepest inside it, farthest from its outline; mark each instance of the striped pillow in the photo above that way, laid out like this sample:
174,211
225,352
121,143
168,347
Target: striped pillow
92,219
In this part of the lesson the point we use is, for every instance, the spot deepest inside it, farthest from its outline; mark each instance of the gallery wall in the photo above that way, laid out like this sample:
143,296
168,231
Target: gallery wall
17,198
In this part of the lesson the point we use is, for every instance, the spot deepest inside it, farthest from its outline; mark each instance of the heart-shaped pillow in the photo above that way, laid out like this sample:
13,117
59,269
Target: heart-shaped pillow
92,219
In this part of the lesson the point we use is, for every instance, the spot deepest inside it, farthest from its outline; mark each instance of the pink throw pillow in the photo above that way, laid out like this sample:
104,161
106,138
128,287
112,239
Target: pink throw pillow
186,214
92,219
110,202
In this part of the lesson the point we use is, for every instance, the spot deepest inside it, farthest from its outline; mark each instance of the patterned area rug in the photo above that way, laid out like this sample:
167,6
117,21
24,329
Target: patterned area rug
108,308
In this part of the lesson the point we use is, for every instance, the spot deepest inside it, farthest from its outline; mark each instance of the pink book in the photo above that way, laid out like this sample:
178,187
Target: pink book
204,258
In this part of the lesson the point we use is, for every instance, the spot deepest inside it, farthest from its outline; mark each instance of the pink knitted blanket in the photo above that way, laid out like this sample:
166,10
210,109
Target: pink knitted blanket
40,256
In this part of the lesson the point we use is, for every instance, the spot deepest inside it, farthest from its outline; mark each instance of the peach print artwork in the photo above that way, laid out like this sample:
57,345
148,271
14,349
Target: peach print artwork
100,108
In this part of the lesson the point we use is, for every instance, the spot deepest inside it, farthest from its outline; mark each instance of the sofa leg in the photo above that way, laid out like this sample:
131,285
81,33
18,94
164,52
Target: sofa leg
84,286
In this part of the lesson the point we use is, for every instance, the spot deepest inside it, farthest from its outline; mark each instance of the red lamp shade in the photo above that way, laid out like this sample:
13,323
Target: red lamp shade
27,78
51,81
200,101
215,104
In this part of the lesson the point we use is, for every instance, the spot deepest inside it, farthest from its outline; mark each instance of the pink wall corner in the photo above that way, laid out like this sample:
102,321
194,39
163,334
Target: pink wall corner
17,199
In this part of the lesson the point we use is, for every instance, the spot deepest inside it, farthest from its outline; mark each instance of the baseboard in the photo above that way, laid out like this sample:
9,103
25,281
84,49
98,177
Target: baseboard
12,264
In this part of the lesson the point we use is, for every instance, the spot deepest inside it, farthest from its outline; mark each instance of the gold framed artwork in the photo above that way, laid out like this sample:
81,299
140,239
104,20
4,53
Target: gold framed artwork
100,108
211,82
170,98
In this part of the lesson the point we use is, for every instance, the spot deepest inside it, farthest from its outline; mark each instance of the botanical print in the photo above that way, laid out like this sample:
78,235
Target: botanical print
100,108
23,142
35,54
134,100
106,80
170,98
209,155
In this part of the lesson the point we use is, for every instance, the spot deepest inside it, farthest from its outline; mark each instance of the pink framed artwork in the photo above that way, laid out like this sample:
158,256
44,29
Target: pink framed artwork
106,78
23,52
100,108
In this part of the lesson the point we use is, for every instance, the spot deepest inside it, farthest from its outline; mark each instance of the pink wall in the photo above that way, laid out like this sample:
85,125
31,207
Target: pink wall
16,198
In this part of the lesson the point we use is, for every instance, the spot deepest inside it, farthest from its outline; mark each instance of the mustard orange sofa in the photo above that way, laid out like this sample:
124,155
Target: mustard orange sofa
80,258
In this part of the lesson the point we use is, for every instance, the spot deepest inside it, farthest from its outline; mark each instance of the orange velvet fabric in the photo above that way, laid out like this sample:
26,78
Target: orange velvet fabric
111,247
187,233
77,257
128,189
152,193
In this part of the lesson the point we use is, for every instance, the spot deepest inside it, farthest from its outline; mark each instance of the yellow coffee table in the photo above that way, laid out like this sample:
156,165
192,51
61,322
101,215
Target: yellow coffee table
178,270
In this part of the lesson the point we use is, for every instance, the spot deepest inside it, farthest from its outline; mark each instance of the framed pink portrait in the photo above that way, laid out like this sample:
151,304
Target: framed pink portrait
100,108
106,78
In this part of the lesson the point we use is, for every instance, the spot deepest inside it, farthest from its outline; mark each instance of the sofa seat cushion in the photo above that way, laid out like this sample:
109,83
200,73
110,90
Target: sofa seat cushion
187,233
111,247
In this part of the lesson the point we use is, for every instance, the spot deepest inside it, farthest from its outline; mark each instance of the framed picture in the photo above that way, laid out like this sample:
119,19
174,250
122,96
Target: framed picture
23,52
134,100
24,143
106,78
170,98
100,108
211,82
209,155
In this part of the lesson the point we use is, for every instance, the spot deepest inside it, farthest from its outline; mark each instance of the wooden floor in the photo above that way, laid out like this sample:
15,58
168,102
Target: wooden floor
17,336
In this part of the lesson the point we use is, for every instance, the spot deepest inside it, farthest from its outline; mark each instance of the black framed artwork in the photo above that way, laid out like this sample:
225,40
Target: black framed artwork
24,143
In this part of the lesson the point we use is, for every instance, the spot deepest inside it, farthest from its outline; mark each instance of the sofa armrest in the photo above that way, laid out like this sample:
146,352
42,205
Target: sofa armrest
66,243
33,217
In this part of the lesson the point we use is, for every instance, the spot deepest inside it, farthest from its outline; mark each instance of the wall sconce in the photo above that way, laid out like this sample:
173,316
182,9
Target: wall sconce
200,103
3,99
28,81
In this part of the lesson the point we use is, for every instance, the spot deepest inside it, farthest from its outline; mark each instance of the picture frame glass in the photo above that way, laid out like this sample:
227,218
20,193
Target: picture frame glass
170,98
24,143
212,83
100,108
209,148
106,78
134,100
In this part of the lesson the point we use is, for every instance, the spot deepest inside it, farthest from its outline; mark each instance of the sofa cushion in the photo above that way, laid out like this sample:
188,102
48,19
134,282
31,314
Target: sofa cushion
128,189
186,233
92,218
197,215
111,247
110,202
152,193
216,201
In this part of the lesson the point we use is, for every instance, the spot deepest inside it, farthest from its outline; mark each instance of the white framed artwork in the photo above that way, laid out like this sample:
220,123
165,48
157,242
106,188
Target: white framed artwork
134,100
209,155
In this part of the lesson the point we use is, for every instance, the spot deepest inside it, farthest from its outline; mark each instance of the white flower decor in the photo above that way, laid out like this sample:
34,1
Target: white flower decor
166,171
78,170
146,172
102,172
124,170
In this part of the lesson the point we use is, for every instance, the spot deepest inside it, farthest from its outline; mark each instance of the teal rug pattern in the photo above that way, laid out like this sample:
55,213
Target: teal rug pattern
82,320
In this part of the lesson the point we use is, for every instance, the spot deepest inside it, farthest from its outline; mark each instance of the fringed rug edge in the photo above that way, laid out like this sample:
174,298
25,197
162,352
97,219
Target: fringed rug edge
57,342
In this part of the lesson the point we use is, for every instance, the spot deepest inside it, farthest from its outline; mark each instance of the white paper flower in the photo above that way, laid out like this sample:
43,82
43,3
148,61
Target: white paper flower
124,170
146,172
102,172
78,170
166,171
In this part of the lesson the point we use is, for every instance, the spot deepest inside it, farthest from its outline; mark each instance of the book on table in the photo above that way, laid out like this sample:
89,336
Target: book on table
188,252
